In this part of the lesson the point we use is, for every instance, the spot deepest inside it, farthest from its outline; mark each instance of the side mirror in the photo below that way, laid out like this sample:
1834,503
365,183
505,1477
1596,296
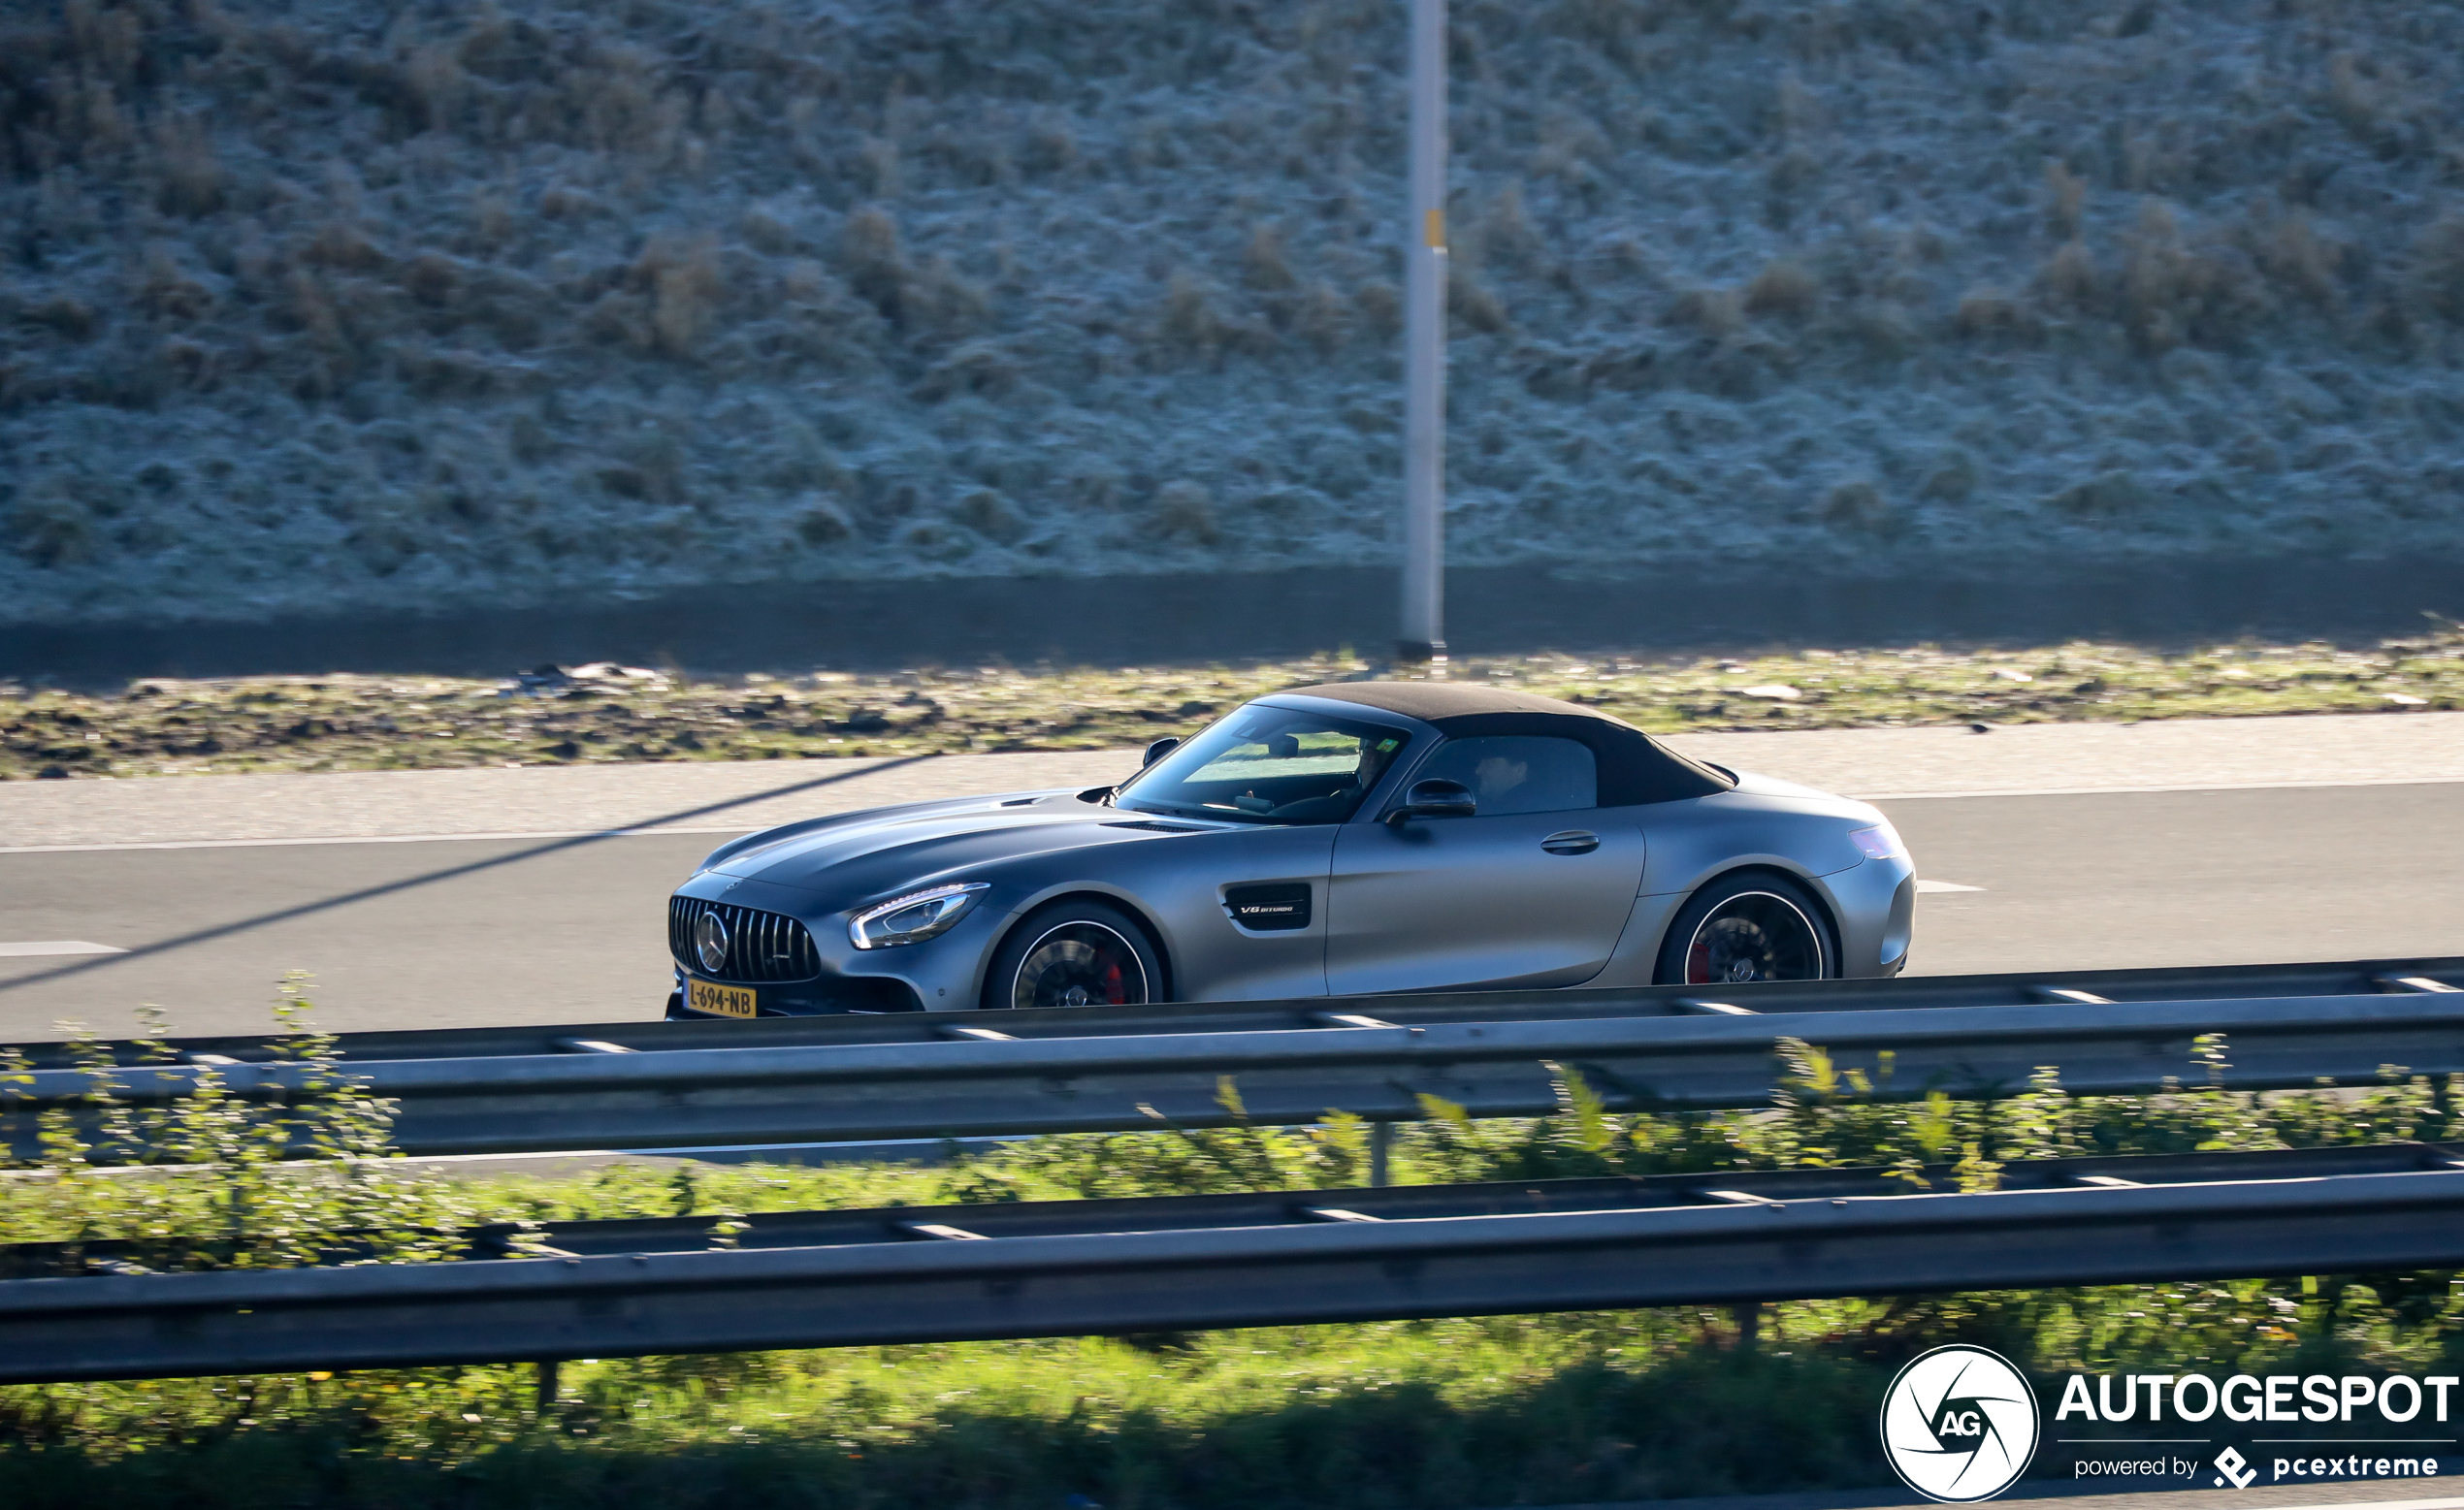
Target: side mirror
1435,797
1158,750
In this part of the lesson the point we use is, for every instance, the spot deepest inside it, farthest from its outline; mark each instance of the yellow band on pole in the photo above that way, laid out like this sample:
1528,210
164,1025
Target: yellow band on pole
1434,230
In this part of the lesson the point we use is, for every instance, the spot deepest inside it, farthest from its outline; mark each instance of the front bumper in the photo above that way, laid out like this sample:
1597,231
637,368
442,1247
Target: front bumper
942,974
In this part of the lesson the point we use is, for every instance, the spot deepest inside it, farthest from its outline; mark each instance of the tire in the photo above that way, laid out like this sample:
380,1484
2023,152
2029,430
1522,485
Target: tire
1075,953
1753,926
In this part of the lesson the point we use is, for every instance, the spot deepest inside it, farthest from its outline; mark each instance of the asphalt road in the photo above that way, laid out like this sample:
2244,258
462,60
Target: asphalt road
572,930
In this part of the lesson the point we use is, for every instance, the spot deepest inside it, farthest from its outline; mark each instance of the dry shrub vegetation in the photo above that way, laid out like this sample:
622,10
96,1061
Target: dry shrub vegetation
323,304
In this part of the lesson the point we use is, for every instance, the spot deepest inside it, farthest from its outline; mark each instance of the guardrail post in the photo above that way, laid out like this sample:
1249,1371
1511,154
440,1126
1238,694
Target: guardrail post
1749,1324
1381,1151
547,1384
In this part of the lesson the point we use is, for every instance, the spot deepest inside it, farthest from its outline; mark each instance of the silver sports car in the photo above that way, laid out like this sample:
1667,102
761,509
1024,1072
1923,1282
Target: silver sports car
1330,841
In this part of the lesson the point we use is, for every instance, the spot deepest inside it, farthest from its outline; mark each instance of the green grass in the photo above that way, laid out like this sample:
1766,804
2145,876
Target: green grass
1429,1415
1423,1415
359,723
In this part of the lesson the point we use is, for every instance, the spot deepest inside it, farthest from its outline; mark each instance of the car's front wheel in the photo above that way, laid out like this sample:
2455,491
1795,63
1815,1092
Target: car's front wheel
1079,953
1748,927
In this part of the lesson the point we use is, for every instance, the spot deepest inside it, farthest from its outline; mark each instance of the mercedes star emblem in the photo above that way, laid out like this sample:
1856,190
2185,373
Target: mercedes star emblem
710,943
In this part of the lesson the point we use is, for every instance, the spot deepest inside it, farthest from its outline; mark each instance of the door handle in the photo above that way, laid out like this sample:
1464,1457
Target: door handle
1571,841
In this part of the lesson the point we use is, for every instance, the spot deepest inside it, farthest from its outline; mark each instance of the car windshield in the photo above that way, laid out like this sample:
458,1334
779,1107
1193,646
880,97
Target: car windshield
1269,765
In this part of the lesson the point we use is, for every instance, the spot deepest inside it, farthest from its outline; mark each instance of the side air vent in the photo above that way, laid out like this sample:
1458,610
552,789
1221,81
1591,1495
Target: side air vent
1159,828
1270,906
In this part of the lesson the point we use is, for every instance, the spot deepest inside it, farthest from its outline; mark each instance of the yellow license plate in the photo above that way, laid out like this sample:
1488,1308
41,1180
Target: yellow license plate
725,1001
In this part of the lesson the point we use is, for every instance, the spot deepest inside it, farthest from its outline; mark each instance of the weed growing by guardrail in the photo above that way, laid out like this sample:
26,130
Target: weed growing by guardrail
1820,1116
228,1181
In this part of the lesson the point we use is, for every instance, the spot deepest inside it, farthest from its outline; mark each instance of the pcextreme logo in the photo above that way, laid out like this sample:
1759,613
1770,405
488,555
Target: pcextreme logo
1960,1424
2231,1468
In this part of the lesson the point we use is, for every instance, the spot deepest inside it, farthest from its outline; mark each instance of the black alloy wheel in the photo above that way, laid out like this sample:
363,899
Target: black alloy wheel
1075,955
1748,928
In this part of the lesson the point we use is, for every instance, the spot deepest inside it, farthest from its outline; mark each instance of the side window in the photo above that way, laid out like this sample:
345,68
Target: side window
1511,774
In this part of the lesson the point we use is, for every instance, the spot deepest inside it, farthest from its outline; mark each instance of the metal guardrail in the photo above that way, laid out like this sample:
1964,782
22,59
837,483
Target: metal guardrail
817,1279
2359,977
706,1097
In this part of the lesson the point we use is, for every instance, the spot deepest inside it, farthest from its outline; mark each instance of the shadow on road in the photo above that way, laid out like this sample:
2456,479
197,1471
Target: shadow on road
451,873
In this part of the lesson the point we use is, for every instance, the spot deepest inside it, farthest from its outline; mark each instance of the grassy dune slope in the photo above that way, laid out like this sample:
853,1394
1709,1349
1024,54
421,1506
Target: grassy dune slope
313,304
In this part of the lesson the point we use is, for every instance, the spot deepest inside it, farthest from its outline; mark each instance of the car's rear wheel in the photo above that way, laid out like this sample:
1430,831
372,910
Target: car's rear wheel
1079,953
1745,928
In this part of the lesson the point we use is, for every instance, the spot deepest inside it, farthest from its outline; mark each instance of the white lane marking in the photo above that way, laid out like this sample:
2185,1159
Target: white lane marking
258,844
39,947
2127,791
1924,886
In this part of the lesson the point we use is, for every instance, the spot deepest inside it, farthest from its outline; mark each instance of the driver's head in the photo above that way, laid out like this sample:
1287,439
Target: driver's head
1497,776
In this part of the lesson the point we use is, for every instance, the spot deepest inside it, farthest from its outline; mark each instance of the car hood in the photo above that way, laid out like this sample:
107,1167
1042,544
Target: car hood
855,855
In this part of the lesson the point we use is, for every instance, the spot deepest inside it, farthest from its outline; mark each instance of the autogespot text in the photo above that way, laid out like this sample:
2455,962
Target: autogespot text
2398,1412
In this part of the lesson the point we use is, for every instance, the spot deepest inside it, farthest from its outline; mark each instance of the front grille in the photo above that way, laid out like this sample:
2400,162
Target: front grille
761,946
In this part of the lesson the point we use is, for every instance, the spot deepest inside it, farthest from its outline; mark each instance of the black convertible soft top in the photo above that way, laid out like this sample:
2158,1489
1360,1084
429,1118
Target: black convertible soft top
1634,767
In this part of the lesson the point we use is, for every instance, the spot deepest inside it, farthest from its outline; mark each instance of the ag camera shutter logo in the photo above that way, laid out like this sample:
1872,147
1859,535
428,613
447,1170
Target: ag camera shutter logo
1960,1424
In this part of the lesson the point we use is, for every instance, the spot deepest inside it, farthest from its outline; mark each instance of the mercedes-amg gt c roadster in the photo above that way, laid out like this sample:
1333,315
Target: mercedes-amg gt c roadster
1340,840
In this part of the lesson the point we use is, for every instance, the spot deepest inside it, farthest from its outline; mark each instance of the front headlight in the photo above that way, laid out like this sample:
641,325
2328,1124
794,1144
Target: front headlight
1881,842
914,918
